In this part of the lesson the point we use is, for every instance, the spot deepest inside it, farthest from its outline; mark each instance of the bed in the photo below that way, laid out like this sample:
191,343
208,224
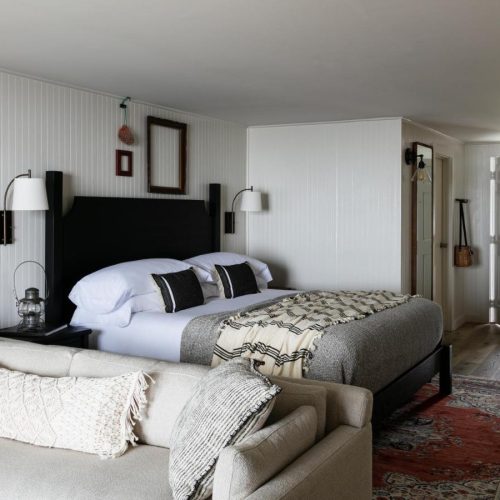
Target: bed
392,352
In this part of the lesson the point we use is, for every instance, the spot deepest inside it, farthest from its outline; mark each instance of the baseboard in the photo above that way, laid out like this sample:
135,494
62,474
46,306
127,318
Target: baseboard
458,322
477,318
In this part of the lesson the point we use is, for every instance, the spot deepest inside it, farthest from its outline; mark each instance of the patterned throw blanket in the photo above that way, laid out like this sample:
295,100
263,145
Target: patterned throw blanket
283,335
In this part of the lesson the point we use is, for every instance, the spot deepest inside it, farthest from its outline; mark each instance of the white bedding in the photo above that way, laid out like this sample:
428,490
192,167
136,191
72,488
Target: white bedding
158,334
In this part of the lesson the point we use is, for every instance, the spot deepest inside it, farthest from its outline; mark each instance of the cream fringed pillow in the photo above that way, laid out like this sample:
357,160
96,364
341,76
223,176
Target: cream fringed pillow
231,402
93,415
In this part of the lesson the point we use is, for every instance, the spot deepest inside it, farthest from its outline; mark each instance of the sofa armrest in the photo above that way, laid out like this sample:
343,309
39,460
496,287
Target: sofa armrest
339,466
345,404
244,467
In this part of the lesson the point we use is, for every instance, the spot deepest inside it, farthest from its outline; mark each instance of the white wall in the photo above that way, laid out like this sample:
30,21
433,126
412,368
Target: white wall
477,174
44,126
444,146
334,191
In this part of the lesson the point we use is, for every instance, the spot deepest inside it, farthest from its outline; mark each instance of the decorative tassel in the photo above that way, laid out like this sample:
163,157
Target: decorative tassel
136,403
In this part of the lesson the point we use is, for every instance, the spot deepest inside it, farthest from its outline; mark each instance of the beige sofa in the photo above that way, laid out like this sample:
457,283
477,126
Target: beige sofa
316,444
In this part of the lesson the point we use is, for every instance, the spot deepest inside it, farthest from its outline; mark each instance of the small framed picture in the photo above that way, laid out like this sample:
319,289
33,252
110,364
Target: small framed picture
124,164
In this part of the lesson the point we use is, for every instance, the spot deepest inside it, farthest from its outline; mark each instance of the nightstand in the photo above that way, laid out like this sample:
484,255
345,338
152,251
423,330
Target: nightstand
71,336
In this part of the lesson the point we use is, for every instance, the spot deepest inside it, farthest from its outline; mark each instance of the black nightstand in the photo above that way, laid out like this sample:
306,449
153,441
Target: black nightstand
71,336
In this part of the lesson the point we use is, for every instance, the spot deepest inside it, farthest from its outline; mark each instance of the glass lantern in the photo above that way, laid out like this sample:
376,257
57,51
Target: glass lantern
31,309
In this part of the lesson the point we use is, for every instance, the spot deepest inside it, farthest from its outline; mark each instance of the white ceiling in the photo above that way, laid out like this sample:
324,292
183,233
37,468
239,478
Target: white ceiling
273,61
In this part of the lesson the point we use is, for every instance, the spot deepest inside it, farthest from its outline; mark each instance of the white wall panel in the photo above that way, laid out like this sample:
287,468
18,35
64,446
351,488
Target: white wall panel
477,175
44,126
334,203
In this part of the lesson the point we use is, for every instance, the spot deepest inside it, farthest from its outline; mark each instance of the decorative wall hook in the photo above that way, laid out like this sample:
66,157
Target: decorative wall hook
125,134
123,104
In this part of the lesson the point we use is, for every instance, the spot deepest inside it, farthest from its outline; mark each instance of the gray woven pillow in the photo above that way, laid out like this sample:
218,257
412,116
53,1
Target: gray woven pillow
230,403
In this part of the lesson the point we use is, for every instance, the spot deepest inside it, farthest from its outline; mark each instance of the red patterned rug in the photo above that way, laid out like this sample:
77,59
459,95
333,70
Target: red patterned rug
441,447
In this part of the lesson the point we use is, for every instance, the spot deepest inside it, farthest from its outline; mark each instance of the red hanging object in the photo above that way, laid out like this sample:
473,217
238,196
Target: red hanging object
124,133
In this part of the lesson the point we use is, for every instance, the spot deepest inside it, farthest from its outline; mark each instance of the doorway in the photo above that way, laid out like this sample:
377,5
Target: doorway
432,228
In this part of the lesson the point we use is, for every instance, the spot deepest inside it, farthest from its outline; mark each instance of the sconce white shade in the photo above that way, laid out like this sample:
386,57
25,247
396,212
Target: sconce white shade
29,194
251,201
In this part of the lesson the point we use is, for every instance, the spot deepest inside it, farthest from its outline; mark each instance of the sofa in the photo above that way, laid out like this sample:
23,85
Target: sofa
315,444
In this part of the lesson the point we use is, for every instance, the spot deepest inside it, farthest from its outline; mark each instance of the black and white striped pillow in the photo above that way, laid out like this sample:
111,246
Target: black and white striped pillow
228,404
236,280
180,290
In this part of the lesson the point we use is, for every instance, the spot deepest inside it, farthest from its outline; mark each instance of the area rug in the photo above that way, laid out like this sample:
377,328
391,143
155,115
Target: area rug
441,447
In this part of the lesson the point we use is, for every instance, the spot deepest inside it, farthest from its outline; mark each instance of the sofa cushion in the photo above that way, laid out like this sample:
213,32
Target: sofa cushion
174,384
345,404
47,361
230,403
89,414
293,395
29,472
244,467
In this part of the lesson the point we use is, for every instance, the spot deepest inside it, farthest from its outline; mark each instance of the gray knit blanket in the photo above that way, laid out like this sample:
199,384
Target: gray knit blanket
370,352
282,336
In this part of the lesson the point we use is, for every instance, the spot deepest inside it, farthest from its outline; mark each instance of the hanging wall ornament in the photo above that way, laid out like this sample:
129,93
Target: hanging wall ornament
125,134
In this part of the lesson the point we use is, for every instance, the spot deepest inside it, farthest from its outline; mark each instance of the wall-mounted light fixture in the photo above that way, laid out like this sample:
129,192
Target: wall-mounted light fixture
421,173
29,194
251,201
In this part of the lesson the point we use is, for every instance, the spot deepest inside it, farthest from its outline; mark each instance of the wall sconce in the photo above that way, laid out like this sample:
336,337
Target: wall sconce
29,194
251,201
421,173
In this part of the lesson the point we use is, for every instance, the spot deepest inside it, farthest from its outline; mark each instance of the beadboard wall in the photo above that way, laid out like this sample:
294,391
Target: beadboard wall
444,147
46,126
334,203
477,189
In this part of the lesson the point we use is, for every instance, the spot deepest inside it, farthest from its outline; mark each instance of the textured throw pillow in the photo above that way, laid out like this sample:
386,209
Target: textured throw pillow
230,403
236,280
93,415
180,290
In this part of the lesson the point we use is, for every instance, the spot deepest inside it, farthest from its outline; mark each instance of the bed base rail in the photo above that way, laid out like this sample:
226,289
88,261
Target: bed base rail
399,392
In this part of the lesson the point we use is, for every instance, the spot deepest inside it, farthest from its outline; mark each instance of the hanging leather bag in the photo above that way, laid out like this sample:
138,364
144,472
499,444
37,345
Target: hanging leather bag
463,253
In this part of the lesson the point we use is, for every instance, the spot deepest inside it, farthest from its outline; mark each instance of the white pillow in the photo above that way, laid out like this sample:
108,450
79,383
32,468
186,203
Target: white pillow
146,302
109,288
154,301
210,290
207,263
93,415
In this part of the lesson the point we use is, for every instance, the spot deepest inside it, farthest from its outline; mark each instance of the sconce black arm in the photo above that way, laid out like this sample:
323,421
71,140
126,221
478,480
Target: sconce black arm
5,224
230,216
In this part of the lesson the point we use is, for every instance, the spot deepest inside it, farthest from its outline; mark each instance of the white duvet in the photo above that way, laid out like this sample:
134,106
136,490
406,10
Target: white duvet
158,334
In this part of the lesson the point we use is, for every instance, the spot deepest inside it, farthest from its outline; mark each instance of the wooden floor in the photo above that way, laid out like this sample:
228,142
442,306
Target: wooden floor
476,350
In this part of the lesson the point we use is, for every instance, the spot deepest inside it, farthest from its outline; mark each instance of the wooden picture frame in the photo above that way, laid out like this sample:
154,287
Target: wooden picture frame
166,156
124,163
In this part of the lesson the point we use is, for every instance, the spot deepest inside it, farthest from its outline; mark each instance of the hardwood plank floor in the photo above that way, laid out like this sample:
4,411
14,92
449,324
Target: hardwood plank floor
476,350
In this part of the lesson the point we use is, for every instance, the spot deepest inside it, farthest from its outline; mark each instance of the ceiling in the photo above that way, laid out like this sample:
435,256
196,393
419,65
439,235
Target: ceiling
273,61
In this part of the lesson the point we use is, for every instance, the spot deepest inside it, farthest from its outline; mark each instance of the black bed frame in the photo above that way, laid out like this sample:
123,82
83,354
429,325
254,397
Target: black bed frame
98,232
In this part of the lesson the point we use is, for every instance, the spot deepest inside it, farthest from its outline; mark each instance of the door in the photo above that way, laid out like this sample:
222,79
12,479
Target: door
424,240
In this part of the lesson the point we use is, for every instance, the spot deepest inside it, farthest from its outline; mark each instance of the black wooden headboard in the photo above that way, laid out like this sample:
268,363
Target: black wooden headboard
99,232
